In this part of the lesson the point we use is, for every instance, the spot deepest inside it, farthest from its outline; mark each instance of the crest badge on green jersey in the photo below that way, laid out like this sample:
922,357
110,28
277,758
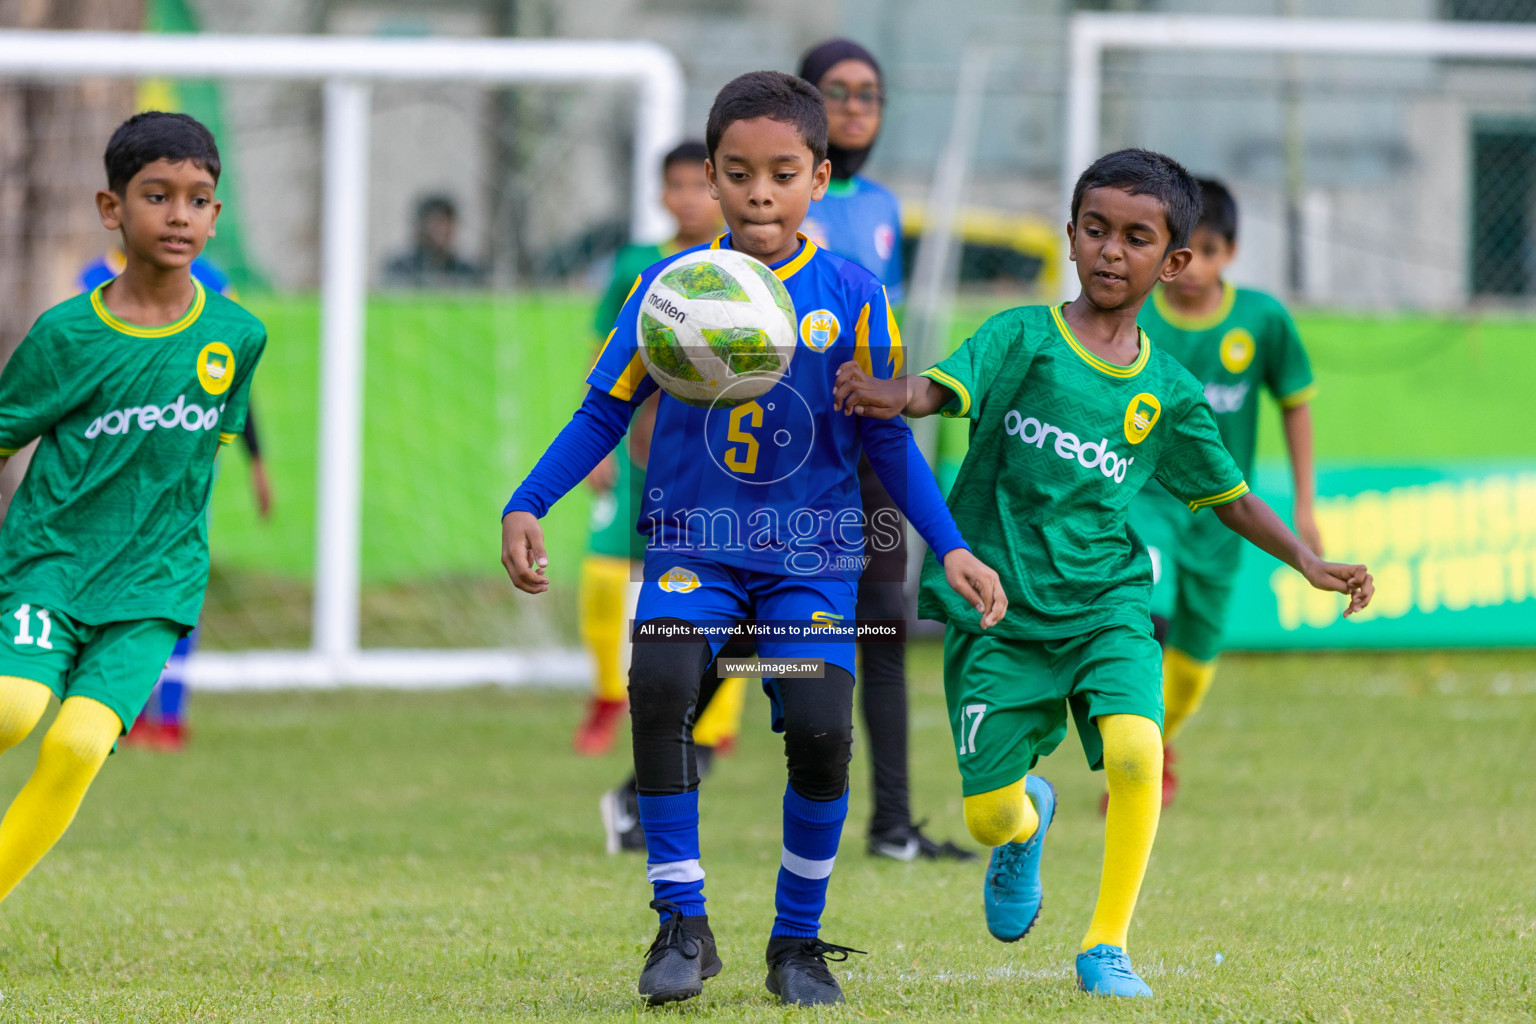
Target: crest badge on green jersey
1141,416
1237,349
216,367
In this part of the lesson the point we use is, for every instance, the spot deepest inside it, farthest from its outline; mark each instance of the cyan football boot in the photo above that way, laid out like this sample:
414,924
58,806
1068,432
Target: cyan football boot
1105,970
1012,893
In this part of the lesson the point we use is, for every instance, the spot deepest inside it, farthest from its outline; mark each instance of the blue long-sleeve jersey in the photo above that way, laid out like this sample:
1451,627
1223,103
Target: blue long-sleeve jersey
769,485
860,219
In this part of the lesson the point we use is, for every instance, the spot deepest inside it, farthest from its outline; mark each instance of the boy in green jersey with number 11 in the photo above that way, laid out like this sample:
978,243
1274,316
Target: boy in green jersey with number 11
130,390
1073,410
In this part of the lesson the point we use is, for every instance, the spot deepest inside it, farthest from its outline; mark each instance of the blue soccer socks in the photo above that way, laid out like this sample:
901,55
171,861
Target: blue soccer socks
812,829
671,825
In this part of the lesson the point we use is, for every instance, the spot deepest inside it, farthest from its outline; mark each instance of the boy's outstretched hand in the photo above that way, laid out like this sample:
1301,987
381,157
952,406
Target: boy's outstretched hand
978,584
1353,580
522,552
855,391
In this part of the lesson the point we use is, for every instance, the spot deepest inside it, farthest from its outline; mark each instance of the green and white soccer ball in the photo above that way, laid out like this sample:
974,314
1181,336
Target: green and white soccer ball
716,328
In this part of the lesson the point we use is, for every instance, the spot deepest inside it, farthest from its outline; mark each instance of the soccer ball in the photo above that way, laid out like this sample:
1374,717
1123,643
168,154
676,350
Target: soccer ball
716,328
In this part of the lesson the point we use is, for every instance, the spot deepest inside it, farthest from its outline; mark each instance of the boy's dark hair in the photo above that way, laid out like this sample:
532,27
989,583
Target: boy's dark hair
1142,172
689,151
158,135
437,203
775,95
1218,210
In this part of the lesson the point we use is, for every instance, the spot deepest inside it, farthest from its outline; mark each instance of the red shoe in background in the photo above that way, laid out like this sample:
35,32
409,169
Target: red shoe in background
144,733
170,738
594,736
1170,780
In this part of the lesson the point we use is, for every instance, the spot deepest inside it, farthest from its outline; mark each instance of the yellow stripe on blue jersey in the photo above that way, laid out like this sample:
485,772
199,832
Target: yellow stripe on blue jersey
861,341
627,382
786,270
898,353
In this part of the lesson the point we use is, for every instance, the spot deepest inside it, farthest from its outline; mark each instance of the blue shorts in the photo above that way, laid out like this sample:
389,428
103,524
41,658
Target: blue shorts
788,612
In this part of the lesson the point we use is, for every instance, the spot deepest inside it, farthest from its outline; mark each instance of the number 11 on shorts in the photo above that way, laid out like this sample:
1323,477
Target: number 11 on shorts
970,721
24,637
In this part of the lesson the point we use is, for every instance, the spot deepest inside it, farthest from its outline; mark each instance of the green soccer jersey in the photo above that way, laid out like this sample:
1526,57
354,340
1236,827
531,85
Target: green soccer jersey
612,529
1248,343
109,523
1060,443
627,265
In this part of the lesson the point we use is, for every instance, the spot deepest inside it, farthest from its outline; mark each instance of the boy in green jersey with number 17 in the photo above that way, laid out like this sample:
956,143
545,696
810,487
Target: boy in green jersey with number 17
131,390
1235,341
1073,410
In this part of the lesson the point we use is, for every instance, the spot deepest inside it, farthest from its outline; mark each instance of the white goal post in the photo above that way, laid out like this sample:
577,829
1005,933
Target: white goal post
346,67
1092,34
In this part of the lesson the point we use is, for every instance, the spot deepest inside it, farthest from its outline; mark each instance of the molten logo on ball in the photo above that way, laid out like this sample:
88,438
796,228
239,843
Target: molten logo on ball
716,327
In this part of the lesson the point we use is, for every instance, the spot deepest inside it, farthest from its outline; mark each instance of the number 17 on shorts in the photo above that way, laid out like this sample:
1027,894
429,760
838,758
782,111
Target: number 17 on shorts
970,720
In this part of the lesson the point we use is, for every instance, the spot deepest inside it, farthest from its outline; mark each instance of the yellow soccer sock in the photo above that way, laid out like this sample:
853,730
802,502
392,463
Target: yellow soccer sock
1185,683
73,751
1133,761
721,720
22,703
1001,815
601,608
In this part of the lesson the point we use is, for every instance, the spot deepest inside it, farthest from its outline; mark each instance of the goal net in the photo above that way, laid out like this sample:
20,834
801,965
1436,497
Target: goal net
420,224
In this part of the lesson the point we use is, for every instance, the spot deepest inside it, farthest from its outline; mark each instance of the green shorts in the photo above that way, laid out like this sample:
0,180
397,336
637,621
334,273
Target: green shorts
1008,699
1195,560
116,663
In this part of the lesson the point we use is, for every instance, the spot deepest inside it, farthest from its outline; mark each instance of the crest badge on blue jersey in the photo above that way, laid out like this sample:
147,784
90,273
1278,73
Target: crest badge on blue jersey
819,329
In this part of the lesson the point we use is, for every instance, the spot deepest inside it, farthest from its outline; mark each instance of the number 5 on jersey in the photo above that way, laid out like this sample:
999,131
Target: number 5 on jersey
970,721
745,463
24,637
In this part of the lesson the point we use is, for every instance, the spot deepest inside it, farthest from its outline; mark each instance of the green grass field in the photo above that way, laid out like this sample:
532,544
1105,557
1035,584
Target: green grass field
462,393
1352,843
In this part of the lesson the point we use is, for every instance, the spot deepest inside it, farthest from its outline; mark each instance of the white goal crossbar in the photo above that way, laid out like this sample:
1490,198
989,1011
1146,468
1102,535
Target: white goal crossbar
1093,34
346,67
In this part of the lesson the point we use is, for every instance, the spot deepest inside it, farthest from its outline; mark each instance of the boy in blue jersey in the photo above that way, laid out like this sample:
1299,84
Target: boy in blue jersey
858,217
752,513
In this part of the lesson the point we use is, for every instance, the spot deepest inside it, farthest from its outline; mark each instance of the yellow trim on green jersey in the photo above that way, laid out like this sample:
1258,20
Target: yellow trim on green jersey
1195,323
788,270
898,355
6,453
1223,498
936,374
226,438
1102,365
188,318
1299,397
